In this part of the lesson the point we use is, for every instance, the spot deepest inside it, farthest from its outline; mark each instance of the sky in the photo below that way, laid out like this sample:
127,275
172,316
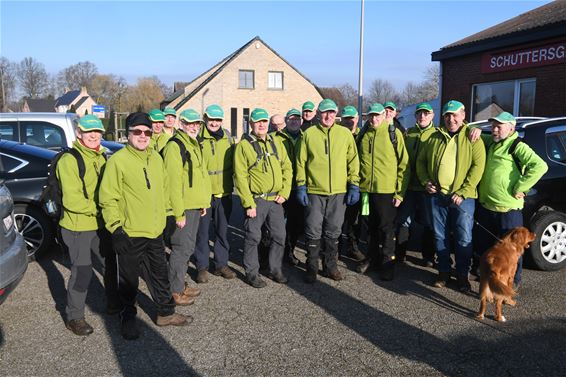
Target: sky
179,40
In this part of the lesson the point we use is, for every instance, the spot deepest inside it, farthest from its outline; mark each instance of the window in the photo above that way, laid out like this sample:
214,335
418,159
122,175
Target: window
43,134
10,164
8,131
516,97
556,144
246,79
275,80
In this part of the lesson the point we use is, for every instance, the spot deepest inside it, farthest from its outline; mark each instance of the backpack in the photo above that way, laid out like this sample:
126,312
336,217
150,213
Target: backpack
392,136
200,139
257,148
185,157
52,195
512,149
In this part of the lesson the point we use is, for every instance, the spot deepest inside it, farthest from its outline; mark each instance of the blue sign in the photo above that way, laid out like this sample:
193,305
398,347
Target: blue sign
99,110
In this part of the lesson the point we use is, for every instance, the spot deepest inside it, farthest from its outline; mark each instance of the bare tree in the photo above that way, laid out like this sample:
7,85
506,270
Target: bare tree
429,87
145,95
380,91
7,82
349,94
78,75
33,77
108,90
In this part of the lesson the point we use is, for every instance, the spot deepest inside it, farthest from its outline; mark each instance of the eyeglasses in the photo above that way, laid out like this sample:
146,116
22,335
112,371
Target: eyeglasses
139,132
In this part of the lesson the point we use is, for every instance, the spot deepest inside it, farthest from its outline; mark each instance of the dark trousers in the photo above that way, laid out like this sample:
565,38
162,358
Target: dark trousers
382,215
270,214
349,231
295,221
497,223
146,258
218,214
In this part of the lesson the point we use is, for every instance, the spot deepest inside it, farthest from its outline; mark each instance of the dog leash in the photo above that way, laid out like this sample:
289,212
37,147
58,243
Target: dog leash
474,220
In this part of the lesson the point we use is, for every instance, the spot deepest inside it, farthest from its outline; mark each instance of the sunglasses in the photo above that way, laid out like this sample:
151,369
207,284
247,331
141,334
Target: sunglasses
139,132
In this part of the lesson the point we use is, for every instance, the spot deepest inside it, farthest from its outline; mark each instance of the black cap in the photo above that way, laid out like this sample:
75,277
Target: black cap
137,119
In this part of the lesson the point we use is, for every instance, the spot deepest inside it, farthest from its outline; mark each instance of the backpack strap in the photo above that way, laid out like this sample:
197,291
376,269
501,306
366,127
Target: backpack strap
512,149
257,148
81,166
273,147
393,138
185,157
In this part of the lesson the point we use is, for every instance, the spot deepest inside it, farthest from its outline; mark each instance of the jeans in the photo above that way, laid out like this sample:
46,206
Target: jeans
449,220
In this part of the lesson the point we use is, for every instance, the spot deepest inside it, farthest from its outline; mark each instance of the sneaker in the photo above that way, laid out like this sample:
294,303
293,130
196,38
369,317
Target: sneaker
182,300
79,327
255,281
226,272
464,285
202,277
129,329
310,277
191,292
174,319
278,277
442,280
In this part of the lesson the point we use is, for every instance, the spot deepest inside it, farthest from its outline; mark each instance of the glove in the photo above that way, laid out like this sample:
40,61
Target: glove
353,195
302,196
170,226
121,242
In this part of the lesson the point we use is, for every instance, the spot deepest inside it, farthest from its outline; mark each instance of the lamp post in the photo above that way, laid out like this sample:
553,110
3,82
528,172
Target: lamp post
361,70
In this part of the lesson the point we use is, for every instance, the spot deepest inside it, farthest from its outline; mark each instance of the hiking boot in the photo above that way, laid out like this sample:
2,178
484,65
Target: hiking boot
364,266
388,271
174,319
129,329
202,277
113,307
357,255
191,292
226,272
334,274
310,277
442,280
278,277
182,300
256,282
464,284
79,327
291,258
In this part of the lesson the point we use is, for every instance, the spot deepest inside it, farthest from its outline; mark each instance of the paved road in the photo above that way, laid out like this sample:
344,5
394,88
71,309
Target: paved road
357,327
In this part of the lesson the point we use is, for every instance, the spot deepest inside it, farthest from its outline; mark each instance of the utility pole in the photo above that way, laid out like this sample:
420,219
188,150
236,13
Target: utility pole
361,72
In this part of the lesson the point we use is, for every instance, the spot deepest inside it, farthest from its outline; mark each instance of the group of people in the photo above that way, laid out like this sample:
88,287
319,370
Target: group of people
310,176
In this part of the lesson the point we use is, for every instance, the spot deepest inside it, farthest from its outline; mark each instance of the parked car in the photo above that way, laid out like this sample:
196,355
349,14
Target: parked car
545,205
53,131
13,253
24,169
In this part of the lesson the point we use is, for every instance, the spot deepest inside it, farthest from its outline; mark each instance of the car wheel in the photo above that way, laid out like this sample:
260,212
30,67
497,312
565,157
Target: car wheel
548,250
35,227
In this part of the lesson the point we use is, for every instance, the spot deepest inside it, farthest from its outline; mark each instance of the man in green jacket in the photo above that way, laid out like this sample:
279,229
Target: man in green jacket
414,212
134,198
327,180
189,193
450,166
159,137
384,176
262,175
81,224
510,172
309,115
170,121
218,149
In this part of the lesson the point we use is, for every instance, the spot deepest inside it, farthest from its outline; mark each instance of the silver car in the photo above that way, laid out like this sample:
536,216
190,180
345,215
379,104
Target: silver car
13,251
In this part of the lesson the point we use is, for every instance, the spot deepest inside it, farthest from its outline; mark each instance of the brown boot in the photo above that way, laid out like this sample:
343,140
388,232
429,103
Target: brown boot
202,277
334,274
182,300
174,319
191,292
226,272
79,327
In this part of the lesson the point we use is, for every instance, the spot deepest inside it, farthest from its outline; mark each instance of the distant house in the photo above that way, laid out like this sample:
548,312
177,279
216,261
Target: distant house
78,100
253,76
35,105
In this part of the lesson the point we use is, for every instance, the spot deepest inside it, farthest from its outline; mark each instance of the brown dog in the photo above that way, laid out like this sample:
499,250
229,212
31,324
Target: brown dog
497,269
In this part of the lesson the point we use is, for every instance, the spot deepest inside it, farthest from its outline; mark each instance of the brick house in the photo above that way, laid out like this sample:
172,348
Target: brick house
38,105
253,76
518,66
79,100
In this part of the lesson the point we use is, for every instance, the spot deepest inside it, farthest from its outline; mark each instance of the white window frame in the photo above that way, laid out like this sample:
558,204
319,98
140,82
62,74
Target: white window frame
275,81
516,92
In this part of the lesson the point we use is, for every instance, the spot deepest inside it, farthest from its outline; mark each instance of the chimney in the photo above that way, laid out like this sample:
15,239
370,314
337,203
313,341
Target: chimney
83,91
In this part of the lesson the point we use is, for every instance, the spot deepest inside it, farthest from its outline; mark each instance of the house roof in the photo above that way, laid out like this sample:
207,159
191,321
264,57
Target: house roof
212,73
41,105
81,101
67,98
544,22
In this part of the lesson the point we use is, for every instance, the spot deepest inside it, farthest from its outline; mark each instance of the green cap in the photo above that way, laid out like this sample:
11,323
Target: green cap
259,114
90,123
169,111
293,112
390,104
424,106
349,112
214,112
376,108
327,105
504,117
190,116
156,115
308,106
451,107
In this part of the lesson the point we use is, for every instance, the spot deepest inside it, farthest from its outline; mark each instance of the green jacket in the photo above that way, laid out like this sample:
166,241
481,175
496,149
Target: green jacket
502,178
271,175
380,170
470,161
328,160
157,142
291,145
134,192
219,155
415,139
79,214
183,193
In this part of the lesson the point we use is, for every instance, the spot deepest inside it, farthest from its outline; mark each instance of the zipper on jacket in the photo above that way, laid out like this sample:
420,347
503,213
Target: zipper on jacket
146,179
329,162
271,166
371,143
212,146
